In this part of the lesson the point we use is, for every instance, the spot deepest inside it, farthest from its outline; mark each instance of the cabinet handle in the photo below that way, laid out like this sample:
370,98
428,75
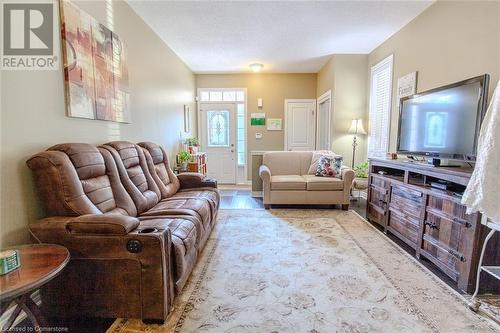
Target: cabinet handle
431,225
456,255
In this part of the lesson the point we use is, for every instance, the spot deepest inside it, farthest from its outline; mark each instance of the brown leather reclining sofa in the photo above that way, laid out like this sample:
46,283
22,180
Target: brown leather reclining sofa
134,229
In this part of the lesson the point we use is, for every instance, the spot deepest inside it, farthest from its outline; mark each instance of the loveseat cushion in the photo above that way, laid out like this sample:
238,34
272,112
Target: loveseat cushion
288,182
315,183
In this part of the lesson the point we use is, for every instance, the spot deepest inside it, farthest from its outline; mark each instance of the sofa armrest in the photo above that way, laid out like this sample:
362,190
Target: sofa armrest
265,175
194,180
347,175
112,224
150,259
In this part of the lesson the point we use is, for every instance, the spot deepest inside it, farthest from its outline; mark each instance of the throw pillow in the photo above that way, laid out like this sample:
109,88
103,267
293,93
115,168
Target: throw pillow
315,159
329,166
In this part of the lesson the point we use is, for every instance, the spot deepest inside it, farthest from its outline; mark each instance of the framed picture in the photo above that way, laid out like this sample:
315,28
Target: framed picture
257,119
187,119
274,124
407,85
95,68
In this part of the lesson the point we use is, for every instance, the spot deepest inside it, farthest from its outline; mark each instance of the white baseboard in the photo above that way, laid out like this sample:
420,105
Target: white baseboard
3,319
257,194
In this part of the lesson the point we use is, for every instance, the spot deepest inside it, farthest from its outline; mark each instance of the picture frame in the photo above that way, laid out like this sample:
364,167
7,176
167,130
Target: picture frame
407,85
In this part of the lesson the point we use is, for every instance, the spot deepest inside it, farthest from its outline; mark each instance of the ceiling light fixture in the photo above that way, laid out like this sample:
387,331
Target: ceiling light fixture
256,67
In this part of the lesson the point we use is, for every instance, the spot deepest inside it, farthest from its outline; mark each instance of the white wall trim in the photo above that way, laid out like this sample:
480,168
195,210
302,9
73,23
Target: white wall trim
198,117
326,96
285,109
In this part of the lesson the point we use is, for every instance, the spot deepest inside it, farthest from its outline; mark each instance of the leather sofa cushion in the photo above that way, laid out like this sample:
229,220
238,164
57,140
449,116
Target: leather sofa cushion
288,182
315,183
195,207
210,195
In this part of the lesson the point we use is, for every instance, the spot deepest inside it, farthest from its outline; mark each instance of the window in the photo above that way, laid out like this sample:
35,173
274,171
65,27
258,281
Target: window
240,108
218,128
380,108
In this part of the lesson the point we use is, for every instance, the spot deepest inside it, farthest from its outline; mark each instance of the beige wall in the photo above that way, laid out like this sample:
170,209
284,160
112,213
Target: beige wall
346,76
448,42
33,113
273,89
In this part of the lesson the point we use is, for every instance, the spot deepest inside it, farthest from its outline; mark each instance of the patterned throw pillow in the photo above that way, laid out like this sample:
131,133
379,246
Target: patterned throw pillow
329,166
315,160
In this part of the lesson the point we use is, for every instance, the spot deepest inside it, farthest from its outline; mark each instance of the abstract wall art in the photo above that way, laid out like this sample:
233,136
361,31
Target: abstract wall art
95,68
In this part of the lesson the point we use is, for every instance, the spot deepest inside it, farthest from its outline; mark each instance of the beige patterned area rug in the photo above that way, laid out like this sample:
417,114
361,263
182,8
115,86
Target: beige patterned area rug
298,270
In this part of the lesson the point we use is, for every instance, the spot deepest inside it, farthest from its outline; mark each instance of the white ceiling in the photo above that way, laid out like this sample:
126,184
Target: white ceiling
287,37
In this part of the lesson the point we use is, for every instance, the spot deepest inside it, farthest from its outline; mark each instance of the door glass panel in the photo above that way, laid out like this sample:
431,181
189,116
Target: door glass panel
229,96
204,96
240,96
218,128
216,96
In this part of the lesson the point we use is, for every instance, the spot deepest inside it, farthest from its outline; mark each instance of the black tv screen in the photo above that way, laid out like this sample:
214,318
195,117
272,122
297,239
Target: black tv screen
443,122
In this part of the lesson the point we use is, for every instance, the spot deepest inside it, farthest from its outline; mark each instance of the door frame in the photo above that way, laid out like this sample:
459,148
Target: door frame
327,95
198,121
295,100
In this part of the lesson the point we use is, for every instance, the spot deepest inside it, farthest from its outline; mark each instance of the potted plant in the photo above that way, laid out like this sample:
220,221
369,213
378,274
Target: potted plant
360,182
193,145
361,170
184,157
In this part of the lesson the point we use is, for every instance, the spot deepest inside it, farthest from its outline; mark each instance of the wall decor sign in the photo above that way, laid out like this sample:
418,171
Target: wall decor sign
95,68
407,85
274,124
257,119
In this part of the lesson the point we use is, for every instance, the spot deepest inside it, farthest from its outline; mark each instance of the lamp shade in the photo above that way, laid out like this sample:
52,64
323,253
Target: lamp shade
357,127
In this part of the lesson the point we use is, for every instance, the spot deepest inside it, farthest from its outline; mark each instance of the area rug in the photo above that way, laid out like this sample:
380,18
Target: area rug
298,270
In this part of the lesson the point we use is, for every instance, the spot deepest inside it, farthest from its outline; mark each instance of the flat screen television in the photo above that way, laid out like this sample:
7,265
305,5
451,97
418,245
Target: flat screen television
443,122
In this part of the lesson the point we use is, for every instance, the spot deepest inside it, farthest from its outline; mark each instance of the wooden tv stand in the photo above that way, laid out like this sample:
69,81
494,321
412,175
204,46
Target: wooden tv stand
433,222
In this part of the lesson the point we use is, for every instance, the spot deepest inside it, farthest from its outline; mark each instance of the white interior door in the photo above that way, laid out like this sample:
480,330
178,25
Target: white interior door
218,138
300,124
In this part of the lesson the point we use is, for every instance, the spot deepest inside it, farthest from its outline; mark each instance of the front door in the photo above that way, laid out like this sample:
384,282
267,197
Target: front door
300,124
218,138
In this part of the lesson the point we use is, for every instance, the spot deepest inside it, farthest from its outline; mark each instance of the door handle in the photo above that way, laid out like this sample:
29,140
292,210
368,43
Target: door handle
232,150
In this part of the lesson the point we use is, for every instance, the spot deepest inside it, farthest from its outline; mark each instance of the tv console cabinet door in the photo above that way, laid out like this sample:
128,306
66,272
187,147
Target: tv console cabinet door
378,192
448,238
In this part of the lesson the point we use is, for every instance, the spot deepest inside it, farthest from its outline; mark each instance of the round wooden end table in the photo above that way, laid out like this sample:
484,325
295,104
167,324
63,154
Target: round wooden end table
40,263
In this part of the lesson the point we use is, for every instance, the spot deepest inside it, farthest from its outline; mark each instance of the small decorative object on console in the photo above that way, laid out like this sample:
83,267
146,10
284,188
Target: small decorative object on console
392,156
9,261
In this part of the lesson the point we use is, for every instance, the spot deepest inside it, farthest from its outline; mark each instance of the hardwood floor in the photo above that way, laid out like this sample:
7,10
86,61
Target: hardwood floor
239,199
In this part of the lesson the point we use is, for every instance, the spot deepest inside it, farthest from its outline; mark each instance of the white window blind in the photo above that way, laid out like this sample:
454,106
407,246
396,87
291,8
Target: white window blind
380,108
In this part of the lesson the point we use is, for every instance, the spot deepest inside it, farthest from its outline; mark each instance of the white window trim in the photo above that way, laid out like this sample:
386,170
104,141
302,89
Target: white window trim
389,60
326,96
198,117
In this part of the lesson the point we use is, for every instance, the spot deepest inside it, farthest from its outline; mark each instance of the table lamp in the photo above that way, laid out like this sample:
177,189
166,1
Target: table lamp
356,128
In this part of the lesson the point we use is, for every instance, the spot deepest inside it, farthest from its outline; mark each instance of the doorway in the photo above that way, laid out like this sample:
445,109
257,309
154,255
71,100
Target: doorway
324,121
218,138
222,132
300,124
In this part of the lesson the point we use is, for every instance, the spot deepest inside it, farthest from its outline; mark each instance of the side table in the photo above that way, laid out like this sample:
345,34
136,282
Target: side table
359,184
474,303
40,263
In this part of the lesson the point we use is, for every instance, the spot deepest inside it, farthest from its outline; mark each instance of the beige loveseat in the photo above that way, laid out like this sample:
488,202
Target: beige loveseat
286,180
